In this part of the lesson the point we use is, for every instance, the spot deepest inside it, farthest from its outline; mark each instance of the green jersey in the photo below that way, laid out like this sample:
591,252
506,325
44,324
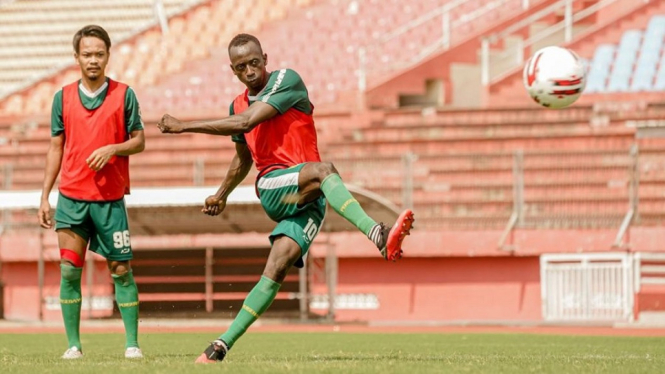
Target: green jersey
284,90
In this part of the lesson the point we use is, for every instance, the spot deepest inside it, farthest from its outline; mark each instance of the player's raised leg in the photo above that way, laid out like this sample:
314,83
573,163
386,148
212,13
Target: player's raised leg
72,254
318,178
284,253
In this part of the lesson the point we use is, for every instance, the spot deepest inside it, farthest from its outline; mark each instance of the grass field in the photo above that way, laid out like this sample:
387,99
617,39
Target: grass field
342,353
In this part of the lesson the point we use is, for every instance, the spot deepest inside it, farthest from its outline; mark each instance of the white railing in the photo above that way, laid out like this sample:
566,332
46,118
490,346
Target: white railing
518,200
517,53
633,198
443,43
587,287
160,16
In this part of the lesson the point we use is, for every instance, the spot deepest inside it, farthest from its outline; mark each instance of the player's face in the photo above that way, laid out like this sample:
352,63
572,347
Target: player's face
92,57
249,65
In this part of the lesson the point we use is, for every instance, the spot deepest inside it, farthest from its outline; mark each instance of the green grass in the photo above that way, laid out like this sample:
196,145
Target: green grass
342,353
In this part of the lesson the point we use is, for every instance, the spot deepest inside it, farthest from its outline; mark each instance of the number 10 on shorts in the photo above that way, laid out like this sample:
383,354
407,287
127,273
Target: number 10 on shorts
310,229
121,239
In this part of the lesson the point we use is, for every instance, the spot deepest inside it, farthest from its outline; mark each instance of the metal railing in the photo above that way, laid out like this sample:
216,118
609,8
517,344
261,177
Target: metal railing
633,196
495,190
518,199
507,190
587,287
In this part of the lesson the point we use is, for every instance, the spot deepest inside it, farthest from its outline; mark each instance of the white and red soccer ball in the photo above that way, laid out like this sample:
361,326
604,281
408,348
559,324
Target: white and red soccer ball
554,77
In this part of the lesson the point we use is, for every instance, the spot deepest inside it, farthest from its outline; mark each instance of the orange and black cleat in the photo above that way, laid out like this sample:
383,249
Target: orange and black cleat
389,240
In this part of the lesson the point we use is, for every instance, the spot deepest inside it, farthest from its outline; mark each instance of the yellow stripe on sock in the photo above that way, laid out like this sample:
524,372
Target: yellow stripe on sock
346,204
250,311
70,301
127,305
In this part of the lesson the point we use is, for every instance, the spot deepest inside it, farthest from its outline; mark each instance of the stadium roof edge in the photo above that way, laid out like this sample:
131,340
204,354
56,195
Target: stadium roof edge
176,210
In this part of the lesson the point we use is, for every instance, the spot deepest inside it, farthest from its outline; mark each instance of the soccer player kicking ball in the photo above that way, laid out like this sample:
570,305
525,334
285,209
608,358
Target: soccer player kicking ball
271,124
95,125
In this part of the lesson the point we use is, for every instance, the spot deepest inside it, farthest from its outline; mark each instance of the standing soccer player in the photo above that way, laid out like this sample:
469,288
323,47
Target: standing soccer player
95,125
272,125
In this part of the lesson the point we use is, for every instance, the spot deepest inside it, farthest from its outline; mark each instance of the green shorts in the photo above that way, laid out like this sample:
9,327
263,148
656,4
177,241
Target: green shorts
277,190
103,224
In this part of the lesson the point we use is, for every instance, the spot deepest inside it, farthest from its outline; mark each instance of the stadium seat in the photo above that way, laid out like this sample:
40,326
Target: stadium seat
659,85
656,25
37,34
596,81
604,55
600,67
625,59
630,41
642,81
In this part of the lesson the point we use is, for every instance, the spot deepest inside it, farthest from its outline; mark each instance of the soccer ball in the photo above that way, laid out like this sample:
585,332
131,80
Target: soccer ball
554,77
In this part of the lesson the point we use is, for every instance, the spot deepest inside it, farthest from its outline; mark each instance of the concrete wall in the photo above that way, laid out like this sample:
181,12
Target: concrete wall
445,276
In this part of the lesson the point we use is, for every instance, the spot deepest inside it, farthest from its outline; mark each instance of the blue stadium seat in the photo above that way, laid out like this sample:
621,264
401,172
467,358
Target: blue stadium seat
649,54
630,41
656,25
619,79
642,80
648,58
626,55
660,82
652,41
659,85
595,82
623,64
604,55
645,70
599,67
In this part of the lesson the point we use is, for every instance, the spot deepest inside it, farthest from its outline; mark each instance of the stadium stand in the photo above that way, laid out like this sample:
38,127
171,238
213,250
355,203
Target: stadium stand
36,35
463,175
618,41
141,53
635,63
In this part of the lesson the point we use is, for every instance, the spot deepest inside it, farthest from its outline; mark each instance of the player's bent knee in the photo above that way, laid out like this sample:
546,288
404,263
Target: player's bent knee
277,270
71,257
119,268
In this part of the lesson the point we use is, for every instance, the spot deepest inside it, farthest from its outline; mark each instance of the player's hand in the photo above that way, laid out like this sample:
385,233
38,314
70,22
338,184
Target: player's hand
100,157
170,125
44,214
213,205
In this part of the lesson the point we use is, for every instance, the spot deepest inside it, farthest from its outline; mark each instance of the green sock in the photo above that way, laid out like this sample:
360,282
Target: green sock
257,302
70,302
127,297
345,204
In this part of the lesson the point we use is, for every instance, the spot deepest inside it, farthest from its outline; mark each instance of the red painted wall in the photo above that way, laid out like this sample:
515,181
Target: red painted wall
21,291
446,276
443,289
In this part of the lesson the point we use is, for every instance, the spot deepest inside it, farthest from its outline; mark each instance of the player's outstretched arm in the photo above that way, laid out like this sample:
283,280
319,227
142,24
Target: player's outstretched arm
101,156
233,125
53,162
240,166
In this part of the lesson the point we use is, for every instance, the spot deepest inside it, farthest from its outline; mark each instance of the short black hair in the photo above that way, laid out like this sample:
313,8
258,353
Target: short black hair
91,30
242,39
